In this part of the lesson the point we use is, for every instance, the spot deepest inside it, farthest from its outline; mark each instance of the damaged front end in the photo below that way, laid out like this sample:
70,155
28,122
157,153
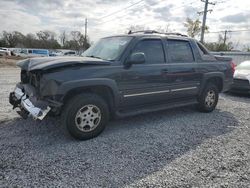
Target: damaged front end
39,91
28,95
28,107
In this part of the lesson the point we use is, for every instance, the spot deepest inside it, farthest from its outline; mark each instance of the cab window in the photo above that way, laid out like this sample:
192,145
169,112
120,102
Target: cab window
202,49
152,49
180,51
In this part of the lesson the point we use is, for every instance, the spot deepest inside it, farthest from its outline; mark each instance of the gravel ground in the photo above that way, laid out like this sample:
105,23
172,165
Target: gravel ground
9,61
173,148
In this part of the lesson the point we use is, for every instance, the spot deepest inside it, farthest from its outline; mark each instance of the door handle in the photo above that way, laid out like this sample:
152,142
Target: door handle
164,70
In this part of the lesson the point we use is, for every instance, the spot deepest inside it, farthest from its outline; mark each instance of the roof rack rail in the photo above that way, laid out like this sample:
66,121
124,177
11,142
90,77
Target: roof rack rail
153,31
178,34
143,31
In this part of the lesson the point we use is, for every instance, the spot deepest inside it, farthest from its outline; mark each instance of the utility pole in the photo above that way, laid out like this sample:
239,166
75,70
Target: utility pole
86,27
204,18
225,37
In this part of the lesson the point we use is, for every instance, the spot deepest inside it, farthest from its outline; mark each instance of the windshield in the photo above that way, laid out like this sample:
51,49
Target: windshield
108,48
243,66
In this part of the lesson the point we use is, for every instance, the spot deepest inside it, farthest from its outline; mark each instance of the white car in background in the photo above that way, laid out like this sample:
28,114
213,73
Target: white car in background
2,52
241,83
33,53
70,53
5,51
64,53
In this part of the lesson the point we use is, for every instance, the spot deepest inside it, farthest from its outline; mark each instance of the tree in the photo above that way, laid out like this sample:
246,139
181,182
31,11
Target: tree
78,41
193,27
12,39
63,38
246,48
163,29
31,41
136,28
44,39
2,41
48,40
221,45
46,35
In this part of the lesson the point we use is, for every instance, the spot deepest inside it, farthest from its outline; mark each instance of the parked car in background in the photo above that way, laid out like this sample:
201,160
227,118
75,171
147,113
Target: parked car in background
63,53
53,53
5,51
2,52
241,82
70,53
34,53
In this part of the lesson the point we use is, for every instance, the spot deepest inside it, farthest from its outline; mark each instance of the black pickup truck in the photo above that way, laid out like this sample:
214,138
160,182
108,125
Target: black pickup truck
121,76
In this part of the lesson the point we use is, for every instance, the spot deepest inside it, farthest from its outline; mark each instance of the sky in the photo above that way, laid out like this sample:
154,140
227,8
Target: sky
108,17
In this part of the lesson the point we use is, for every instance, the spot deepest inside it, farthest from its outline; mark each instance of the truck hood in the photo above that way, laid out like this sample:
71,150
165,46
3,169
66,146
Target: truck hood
46,63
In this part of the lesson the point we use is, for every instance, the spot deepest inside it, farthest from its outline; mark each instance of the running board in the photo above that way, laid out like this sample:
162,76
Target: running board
154,108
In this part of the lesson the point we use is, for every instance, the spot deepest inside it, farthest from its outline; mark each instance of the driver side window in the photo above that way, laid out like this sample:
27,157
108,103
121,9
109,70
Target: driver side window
152,49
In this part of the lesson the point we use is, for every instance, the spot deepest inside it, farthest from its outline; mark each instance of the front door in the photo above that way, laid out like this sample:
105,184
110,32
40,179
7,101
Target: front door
146,83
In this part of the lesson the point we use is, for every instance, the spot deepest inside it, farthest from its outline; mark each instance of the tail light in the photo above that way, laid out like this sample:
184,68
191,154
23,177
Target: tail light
233,66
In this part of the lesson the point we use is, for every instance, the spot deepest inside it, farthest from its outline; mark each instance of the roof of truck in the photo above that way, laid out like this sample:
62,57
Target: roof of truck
152,33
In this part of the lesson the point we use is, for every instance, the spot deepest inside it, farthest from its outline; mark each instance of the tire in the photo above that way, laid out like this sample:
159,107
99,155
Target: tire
208,99
85,116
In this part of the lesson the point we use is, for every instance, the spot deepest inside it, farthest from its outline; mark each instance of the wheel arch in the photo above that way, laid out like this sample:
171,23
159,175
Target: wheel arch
106,89
215,78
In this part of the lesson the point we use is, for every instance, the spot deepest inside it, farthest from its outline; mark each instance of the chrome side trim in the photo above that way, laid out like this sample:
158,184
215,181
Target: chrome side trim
148,93
157,92
182,89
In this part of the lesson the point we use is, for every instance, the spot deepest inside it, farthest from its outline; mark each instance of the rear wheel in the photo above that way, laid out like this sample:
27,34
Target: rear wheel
208,98
85,116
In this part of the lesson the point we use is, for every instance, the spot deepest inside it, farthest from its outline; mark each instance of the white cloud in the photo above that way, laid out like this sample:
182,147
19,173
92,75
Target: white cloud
31,16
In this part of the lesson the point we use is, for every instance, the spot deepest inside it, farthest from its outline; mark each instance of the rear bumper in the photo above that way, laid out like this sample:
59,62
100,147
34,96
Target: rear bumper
227,85
20,100
240,86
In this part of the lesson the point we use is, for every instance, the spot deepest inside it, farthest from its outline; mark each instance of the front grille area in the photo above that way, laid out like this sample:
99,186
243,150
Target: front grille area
31,78
24,77
34,79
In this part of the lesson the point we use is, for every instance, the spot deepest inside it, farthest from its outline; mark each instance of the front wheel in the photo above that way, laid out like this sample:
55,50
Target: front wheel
85,116
208,98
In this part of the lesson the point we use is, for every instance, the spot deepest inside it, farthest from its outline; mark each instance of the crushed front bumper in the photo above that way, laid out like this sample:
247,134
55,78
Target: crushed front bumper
20,100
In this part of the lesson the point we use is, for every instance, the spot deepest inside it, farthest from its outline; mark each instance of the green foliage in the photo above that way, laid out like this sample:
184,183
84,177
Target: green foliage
45,39
246,48
2,43
193,27
12,39
215,46
220,45
77,41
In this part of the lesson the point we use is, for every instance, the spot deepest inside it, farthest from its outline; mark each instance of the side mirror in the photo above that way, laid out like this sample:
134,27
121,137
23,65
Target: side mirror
136,58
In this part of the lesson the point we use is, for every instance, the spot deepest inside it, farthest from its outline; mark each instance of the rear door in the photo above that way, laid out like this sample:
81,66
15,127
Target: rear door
183,75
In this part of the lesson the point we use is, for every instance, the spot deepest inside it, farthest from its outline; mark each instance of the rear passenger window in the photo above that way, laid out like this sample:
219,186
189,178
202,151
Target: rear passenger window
152,49
180,51
202,49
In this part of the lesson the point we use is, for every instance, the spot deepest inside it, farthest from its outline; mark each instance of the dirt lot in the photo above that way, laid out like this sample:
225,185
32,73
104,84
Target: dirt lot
9,61
173,148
